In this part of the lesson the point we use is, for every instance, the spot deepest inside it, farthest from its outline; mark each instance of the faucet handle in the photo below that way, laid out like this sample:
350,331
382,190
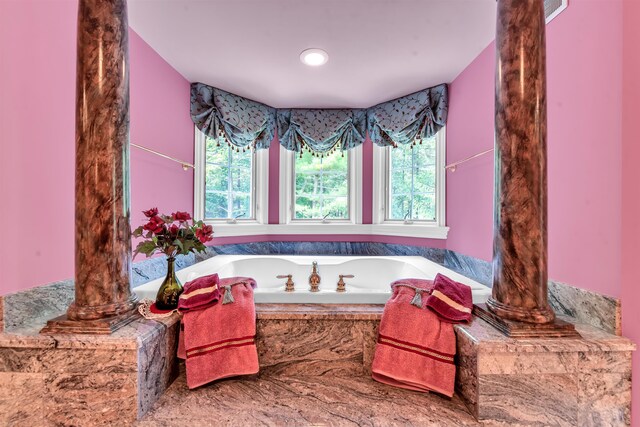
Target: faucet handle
341,284
289,286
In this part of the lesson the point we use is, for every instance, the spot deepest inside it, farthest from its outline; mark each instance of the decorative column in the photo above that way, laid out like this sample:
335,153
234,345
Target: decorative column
103,300
518,305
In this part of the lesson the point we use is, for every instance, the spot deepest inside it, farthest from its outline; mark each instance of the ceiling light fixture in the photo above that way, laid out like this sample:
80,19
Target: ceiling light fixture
314,57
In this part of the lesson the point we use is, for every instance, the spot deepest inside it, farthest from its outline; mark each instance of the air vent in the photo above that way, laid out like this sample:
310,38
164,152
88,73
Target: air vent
552,8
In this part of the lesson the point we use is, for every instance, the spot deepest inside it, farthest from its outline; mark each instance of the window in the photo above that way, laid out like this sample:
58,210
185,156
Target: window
412,182
321,190
230,185
229,182
321,187
409,189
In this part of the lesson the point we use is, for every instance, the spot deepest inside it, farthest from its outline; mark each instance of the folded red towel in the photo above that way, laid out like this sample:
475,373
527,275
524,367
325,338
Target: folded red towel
450,300
199,293
219,340
415,350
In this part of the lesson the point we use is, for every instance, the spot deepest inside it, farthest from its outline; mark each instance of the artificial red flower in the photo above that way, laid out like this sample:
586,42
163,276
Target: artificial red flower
155,225
173,230
151,212
181,216
204,233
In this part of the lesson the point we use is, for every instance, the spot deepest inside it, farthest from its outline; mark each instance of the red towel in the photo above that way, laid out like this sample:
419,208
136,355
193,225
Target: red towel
219,341
415,350
450,300
199,293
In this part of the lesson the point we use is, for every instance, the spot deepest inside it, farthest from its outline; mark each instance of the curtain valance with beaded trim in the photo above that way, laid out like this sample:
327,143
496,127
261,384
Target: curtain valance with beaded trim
230,118
321,130
244,123
409,119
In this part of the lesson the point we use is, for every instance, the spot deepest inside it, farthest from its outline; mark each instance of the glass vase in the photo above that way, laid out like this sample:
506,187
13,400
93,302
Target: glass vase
170,290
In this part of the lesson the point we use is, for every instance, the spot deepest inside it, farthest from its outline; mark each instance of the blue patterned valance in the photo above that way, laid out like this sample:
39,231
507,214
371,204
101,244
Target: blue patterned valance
242,122
239,121
408,119
321,130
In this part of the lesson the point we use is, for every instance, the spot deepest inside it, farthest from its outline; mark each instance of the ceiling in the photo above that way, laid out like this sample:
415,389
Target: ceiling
378,50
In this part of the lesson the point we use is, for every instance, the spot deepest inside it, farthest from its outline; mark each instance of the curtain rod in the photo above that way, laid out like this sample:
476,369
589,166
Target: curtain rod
185,165
453,166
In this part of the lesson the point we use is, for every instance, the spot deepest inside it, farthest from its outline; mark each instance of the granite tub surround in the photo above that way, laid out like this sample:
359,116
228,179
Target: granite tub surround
337,340
103,299
474,268
565,382
30,309
85,379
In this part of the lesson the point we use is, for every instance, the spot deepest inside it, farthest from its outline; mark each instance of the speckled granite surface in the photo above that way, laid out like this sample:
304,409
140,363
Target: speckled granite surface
274,400
85,379
564,382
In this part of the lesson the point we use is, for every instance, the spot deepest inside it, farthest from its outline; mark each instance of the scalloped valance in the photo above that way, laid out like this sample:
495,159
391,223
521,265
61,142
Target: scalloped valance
244,123
239,121
321,130
409,119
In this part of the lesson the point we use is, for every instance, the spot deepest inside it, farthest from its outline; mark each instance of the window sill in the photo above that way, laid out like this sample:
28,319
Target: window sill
425,231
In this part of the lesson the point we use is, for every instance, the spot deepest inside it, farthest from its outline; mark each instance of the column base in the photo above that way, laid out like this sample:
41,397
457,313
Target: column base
108,325
514,329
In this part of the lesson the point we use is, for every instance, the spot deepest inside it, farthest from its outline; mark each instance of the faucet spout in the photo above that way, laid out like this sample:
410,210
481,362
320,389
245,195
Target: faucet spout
314,278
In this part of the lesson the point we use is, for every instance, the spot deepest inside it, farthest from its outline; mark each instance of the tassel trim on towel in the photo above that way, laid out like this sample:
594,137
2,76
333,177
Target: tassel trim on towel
417,298
228,296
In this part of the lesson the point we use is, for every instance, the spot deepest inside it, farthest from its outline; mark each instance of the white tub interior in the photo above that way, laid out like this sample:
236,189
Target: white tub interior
373,275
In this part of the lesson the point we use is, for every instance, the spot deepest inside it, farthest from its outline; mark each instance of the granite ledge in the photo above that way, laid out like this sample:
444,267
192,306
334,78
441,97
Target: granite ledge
593,339
319,311
129,337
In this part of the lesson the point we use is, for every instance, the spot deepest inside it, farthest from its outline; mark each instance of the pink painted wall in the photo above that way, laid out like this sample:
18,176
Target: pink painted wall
584,70
630,223
37,83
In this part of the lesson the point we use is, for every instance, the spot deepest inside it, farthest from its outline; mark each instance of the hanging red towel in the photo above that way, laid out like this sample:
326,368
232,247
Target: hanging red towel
415,349
219,341
450,300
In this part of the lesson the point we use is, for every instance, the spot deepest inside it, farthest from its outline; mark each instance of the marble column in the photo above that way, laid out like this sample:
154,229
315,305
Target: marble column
102,231
520,195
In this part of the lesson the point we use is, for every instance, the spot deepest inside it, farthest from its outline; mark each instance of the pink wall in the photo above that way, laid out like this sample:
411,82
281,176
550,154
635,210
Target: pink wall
37,83
584,72
630,223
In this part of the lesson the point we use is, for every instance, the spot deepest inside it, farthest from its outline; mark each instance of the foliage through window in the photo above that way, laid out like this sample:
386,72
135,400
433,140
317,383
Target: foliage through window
229,180
321,187
412,182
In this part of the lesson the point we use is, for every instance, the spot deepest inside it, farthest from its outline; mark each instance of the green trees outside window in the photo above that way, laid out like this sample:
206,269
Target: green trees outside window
412,182
321,187
229,180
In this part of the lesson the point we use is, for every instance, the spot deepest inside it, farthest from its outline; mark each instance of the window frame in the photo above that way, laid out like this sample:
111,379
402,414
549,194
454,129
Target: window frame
259,192
381,180
320,226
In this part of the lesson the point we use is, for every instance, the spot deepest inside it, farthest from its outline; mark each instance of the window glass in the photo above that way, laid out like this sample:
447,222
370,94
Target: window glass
412,182
229,180
321,187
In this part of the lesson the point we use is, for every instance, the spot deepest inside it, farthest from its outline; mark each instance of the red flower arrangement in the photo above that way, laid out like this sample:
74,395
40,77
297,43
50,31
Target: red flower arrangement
172,234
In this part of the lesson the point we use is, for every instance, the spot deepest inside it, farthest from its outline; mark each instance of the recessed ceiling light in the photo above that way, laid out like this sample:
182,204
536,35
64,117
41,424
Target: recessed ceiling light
314,57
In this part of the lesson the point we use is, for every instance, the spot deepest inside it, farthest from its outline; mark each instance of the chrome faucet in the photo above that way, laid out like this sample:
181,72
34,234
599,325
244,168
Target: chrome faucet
314,278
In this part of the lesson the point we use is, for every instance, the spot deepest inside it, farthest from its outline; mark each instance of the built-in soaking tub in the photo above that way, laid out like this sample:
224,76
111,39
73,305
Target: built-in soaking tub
370,284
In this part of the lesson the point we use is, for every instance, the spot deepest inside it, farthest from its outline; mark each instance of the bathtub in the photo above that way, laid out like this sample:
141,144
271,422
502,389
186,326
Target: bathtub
373,275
